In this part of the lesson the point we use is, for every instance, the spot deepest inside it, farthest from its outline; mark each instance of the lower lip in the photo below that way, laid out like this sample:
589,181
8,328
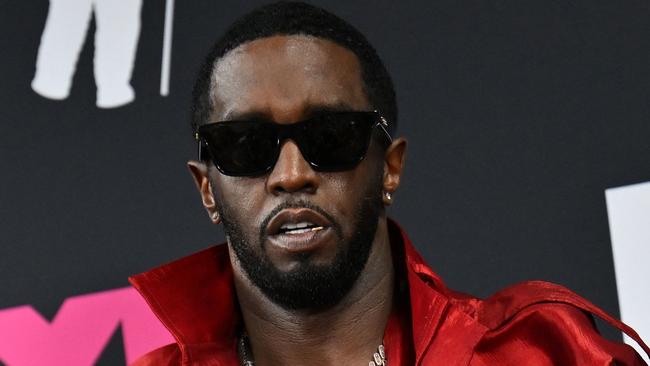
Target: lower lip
302,242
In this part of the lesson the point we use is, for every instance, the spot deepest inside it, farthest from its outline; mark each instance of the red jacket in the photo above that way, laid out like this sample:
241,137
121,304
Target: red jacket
533,323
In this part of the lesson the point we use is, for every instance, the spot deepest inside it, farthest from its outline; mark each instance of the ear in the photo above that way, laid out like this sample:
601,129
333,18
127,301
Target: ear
393,166
199,172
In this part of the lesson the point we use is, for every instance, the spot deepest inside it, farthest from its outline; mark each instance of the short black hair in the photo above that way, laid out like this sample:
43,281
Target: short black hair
290,18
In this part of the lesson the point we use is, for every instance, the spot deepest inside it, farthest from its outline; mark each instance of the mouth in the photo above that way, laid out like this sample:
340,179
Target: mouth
299,230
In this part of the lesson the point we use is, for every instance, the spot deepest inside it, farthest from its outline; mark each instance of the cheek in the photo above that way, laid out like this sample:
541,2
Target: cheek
243,197
348,189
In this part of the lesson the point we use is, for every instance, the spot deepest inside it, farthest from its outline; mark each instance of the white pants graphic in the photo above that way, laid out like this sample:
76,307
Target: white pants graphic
116,39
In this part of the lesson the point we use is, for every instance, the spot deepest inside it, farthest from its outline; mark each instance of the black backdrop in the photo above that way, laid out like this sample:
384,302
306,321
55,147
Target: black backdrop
519,115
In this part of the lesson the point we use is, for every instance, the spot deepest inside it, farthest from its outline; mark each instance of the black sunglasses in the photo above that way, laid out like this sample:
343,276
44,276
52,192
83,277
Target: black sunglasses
332,141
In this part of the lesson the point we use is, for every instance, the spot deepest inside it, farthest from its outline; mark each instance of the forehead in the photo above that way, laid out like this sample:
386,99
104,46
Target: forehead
283,77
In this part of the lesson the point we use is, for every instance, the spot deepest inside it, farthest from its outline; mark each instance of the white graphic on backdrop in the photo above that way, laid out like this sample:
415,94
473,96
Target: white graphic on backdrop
628,209
116,39
165,66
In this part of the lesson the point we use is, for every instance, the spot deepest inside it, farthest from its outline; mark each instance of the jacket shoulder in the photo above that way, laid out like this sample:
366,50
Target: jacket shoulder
548,323
169,355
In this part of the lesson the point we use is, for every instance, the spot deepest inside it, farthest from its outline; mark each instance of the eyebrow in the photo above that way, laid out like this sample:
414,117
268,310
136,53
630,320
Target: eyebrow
310,111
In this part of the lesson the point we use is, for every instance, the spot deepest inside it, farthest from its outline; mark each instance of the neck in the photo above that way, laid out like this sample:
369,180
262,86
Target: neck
346,334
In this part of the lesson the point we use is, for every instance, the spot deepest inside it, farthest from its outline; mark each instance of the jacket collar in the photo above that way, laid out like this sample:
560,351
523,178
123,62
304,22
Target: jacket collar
427,292
194,296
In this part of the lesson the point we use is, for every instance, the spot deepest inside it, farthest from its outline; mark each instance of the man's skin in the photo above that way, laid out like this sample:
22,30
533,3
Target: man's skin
283,79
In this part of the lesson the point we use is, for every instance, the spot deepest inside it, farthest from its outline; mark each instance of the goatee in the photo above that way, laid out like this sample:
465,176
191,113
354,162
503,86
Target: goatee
308,286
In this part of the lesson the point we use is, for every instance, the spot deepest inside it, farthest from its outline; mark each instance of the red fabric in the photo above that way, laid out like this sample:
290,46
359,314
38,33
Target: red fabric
534,323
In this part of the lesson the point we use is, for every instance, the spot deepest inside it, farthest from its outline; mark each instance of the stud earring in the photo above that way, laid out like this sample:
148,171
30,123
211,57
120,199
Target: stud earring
388,197
215,216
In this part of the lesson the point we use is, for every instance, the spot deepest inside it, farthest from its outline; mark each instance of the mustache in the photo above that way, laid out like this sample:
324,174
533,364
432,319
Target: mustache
299,204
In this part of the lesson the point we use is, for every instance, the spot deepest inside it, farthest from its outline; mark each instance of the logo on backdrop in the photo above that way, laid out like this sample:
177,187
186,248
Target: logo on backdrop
116,40
80,331
628,209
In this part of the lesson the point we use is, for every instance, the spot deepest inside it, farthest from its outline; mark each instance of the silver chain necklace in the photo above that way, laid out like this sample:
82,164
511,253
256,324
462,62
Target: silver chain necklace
378,358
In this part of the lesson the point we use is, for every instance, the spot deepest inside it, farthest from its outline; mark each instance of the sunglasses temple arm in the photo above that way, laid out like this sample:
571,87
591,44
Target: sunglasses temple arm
199,147
390,138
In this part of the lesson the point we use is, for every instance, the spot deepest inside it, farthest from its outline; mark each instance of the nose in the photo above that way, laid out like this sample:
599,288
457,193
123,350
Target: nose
292,173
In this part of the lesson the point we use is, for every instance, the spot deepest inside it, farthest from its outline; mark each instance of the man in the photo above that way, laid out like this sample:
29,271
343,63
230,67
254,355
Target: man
295,116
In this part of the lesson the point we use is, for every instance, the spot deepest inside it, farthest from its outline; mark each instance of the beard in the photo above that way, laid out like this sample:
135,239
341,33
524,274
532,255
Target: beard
308,286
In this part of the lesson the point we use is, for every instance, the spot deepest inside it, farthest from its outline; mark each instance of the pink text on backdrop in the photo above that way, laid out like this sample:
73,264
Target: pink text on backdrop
80,330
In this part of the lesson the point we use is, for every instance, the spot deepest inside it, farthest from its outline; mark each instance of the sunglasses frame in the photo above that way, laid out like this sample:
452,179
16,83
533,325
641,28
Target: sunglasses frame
288,132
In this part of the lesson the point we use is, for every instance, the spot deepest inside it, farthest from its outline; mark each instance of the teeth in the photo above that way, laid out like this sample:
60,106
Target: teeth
299,228
305,230
300,225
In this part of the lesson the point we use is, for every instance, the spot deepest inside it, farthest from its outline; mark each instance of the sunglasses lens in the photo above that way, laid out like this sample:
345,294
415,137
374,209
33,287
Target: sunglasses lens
336,141
243,148
329,142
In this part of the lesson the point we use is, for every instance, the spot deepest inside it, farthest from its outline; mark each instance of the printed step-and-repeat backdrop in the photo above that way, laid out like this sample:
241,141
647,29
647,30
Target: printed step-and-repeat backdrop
529,155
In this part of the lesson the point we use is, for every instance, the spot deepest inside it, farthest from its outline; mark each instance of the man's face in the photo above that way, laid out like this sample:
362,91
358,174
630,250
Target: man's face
285,79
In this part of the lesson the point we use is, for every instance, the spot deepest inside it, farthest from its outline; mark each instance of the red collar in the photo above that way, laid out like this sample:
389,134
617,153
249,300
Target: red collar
194,298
